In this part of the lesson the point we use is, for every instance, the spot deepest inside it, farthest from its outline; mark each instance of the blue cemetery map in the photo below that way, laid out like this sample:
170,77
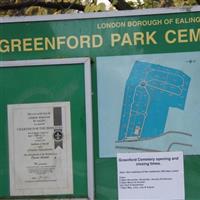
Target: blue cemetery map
150,91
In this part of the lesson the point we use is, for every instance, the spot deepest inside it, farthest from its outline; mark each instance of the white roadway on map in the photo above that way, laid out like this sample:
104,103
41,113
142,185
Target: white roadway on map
169,140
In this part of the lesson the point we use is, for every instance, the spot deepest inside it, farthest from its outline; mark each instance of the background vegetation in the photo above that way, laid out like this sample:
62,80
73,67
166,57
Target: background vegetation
43,7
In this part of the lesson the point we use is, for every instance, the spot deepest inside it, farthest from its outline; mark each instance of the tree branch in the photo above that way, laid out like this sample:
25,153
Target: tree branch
198,2
166,3
122,5
119,5
60,5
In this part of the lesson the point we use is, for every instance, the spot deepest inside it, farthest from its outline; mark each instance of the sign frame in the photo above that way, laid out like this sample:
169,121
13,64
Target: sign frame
86,61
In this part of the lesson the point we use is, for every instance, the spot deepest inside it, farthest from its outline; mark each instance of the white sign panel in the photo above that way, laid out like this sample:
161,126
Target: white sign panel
40,151
152,176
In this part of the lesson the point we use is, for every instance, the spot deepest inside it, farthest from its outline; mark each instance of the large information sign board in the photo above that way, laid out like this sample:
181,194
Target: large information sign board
145,92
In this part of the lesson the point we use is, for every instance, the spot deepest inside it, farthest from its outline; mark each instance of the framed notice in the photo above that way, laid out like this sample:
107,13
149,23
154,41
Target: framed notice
47,124
40,148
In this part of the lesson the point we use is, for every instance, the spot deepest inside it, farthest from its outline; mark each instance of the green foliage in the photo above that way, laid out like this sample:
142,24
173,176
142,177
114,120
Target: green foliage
36,10
136,4
95,7
151,4
180,3
71,6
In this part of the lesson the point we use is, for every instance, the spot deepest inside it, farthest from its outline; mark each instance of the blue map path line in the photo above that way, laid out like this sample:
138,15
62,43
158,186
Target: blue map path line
149,93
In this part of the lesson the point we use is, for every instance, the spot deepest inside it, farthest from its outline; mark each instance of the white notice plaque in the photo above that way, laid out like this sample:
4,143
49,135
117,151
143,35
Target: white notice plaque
150,176
40,151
